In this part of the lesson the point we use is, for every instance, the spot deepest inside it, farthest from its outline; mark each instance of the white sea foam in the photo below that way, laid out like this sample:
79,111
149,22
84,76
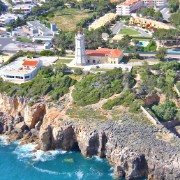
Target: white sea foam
4,140
79,174
46,171
28,151
97,158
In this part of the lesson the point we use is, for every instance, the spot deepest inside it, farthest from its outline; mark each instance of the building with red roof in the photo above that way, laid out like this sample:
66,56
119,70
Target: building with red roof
97,56
129,6
104,55
22,72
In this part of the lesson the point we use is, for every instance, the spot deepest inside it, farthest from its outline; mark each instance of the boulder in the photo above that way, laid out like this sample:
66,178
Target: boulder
21,126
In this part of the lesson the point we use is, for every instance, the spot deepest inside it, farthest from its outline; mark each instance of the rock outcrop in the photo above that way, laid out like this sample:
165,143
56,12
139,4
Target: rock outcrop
134,148
131,147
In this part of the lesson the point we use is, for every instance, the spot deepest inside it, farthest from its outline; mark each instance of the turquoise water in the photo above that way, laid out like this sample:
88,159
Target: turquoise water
19,163
143,43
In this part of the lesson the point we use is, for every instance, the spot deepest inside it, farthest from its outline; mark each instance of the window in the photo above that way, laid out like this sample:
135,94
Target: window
26,77
19,77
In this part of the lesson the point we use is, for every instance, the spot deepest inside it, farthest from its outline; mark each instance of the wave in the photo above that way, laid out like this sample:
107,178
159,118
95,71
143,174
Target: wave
97,158
4,140
28,151
79,174
46,171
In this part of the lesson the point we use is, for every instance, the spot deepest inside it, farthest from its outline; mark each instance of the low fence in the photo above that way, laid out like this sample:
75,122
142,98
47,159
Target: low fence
150,117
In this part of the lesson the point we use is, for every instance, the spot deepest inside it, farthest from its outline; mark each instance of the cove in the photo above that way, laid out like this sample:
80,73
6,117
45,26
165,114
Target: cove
20,163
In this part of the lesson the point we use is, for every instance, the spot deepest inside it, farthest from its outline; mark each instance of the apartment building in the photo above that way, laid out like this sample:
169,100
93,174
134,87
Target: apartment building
157,3
129,6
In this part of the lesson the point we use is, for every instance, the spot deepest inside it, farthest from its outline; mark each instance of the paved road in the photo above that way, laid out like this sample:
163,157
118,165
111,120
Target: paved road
117,27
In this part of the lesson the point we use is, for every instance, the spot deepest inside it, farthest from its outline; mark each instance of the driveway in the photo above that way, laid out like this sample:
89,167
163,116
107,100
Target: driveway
119,25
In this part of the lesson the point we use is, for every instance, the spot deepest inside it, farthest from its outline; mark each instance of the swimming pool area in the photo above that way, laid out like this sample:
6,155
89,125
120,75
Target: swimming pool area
174,51
143,43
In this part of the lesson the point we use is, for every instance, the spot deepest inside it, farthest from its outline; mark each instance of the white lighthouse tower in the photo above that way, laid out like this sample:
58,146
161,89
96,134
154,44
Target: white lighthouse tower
80,54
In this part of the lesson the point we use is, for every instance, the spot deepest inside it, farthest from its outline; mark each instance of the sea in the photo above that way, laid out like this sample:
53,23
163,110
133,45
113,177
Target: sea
23,163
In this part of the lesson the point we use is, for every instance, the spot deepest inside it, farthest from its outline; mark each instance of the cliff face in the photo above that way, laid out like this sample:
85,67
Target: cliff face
133,148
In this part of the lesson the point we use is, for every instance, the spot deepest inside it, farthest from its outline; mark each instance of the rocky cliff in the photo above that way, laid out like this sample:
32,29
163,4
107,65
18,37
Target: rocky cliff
133,147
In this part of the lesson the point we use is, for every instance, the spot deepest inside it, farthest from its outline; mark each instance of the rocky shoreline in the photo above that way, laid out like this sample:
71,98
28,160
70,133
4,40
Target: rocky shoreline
134,148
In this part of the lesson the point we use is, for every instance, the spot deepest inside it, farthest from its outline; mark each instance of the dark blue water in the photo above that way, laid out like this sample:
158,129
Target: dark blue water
19,163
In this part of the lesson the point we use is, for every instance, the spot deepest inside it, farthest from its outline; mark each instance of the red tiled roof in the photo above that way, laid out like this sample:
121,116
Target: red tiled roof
129,2
30,63
104,52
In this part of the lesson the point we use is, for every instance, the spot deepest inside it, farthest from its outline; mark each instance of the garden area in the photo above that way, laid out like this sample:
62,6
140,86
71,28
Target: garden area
128,31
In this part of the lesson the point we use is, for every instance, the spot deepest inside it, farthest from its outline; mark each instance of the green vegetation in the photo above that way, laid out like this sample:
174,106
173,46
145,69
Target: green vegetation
161,54
163,82
175,19
23,39
47,53
64,61
78,71
150,12
126,98
130,32
173,5
151,47
78,15
85,113
93,39
48,82
166,111
94,87
166,34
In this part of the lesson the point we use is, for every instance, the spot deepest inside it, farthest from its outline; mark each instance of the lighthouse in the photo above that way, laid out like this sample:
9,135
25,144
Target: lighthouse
80,54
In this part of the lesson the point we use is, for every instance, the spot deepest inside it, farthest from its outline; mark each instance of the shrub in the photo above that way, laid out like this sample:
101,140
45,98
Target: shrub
94,87
166,111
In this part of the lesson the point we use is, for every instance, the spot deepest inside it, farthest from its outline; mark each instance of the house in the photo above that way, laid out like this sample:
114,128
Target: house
104,55
22,1
129,6
103,21
22,73
9,18
23,8
97,56
153,3
35,27
148,23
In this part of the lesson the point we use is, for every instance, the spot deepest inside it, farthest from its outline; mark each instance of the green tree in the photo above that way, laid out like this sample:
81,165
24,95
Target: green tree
166,111
161,54
158,15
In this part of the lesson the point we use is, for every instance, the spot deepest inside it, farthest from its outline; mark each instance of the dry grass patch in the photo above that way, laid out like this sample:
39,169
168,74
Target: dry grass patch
67,19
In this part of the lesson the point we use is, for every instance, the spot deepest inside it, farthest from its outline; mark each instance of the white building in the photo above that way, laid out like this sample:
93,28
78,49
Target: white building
129,6
22,8
98,56
22,1
35,27
9,18
25,72
153,3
